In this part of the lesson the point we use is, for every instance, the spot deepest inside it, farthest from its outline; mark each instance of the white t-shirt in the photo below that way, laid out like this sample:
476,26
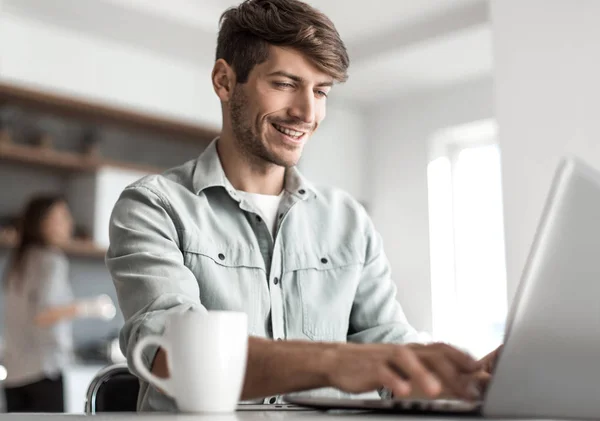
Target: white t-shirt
267,206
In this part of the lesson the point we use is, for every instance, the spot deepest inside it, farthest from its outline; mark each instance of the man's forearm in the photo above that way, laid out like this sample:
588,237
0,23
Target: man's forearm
275,367
283,367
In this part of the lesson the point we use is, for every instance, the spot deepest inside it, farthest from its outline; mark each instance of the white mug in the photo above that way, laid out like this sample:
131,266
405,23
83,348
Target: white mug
206,357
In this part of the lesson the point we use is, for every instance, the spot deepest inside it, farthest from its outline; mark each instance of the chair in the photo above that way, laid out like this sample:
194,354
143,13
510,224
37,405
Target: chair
113,389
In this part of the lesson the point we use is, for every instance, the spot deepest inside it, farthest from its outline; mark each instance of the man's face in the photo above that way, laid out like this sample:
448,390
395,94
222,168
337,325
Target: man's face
280,106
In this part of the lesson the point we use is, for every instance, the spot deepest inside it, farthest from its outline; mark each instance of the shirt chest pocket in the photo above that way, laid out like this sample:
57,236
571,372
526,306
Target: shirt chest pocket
230,277
326,285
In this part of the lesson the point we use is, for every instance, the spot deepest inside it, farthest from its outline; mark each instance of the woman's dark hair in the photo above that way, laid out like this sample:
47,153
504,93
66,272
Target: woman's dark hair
30,233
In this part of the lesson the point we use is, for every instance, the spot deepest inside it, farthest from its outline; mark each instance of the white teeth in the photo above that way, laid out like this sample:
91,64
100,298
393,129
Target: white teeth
289,132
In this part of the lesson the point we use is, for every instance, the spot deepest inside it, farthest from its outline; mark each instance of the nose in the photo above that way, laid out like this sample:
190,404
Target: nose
303,107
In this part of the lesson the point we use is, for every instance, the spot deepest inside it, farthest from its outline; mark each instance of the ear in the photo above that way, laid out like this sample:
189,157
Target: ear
223,79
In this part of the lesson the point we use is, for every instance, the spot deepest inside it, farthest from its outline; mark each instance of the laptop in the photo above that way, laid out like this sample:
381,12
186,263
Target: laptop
549,365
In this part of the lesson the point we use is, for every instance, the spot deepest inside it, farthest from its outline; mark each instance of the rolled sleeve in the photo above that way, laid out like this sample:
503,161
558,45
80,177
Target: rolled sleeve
376,315
147,267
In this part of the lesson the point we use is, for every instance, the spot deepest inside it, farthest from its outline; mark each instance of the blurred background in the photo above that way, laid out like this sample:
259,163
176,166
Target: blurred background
448,131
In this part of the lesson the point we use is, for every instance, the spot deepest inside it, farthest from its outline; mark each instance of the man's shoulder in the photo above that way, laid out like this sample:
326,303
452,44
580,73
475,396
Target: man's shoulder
176,179
336,198
338,219
339,206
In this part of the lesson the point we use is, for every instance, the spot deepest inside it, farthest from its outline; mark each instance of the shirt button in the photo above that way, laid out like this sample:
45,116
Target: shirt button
258,218
280,215
276,281
273,400
324,260
221,256
301,191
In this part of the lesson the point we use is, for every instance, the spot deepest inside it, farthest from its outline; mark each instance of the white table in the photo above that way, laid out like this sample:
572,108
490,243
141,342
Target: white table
238,416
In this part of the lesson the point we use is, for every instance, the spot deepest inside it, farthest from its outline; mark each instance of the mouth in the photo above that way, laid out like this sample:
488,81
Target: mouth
292,135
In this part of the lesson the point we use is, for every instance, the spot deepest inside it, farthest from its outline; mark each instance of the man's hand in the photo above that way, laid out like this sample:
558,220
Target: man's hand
488,363
404,369
488,366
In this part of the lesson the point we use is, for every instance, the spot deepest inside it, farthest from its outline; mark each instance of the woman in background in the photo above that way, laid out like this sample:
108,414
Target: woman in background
39,305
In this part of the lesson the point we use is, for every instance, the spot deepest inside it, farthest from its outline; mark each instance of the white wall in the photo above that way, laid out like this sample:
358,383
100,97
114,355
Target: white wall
547,63
398,141
335,155
75,63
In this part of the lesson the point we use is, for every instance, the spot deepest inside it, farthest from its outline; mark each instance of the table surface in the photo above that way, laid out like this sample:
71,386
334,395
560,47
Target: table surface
237,416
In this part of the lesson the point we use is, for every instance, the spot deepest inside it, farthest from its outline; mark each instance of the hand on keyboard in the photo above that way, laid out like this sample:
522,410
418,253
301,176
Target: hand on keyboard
404,369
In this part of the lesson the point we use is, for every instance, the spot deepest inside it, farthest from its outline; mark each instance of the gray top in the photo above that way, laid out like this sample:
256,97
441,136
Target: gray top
187,239
32,352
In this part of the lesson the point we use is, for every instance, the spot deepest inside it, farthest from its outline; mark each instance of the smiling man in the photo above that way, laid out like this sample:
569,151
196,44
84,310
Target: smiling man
239,228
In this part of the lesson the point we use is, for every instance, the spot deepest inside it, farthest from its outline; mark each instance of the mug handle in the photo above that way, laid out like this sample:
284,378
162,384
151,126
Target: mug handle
162,383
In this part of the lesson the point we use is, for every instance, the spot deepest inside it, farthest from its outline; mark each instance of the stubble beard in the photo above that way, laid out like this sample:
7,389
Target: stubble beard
247,141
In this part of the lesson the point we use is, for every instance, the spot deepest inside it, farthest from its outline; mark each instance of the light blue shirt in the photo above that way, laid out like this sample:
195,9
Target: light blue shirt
187,239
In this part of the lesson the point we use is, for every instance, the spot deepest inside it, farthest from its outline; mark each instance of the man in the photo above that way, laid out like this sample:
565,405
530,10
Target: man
240,229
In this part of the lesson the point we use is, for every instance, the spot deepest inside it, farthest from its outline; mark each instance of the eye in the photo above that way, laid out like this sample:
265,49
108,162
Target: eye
283,85
322,94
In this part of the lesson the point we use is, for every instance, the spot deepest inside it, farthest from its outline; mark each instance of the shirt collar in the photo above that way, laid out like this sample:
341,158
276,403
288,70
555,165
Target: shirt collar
209,173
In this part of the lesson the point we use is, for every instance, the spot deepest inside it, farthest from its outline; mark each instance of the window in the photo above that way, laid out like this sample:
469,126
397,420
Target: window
468,272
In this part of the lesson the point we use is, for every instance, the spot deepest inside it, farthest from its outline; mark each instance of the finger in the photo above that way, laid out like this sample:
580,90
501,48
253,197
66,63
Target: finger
489,361
482,381
457,383
462,361
494,360
410,365
394,382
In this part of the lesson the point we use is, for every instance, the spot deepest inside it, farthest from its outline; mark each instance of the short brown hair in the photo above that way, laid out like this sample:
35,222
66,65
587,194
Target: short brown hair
246,31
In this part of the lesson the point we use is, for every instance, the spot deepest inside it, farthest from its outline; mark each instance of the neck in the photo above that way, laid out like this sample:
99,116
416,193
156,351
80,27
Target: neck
245,174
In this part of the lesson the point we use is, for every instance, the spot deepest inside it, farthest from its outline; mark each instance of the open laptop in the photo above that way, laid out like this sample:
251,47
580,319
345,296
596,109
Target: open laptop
549,366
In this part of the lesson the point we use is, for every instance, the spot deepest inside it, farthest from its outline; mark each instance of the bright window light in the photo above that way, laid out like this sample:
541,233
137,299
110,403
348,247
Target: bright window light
441,246
467,241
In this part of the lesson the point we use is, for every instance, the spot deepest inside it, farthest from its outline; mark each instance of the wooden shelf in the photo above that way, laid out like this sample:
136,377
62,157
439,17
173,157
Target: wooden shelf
64,161
75,249
99,113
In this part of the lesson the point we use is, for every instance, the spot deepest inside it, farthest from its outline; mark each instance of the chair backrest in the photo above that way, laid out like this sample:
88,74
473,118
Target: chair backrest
113,389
